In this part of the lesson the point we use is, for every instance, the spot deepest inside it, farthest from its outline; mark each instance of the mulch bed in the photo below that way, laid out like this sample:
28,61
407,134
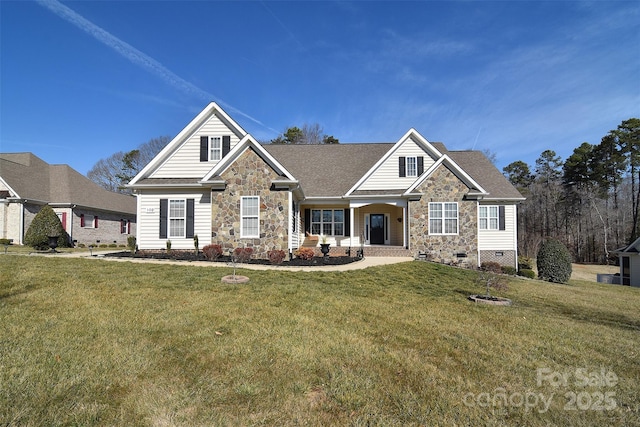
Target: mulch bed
190,256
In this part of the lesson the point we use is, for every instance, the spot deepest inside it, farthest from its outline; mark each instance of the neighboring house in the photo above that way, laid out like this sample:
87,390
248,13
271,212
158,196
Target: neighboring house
629,264
89,213
216,181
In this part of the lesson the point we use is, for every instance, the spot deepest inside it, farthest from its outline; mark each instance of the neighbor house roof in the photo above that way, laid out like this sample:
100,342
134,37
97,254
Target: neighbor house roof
34,179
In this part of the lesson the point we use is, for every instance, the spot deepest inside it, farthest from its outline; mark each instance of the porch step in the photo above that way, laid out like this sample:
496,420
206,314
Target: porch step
386,251
371,251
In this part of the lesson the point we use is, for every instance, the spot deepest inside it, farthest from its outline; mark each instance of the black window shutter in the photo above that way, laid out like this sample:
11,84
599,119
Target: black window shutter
164,208
226,145
190,218
501,225
307,220
420,165
401,168
347,222
204,148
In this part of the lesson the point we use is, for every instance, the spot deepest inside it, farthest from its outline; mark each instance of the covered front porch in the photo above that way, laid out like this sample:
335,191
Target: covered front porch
368,223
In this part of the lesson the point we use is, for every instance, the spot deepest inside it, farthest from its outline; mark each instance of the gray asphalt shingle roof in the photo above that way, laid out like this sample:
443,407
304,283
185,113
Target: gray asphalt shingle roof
327,170
32,178
331,170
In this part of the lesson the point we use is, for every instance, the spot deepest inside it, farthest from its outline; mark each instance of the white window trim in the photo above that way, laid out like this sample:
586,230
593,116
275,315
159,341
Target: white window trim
89,224
215,150
183,218
333,223
243,234
407,171
127,226
489,217
444,218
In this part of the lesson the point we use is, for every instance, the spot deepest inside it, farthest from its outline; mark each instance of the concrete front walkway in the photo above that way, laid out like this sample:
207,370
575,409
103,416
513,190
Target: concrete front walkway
358,265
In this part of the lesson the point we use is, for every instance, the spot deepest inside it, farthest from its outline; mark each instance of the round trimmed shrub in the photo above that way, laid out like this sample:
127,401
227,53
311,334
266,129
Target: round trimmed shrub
46,223
525,272
507,269
554,262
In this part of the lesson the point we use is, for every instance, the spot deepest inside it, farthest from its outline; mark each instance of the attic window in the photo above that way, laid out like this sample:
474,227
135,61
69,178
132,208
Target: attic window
215,148
412,166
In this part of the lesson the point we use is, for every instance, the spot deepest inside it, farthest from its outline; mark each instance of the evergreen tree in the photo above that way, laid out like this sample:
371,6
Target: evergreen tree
46,223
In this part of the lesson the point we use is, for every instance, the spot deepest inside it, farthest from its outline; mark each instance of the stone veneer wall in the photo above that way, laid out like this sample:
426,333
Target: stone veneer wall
444,186
250,176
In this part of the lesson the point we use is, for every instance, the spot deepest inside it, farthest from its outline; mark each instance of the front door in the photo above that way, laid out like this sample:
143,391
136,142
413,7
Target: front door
377,229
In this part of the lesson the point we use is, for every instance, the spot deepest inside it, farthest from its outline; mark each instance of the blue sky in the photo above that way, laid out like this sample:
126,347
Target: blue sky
81,80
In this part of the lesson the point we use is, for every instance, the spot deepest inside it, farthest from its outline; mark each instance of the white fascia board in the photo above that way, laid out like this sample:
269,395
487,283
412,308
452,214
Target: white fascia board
514,200
247,142
161,186
6,184
209,111
391,201
426,146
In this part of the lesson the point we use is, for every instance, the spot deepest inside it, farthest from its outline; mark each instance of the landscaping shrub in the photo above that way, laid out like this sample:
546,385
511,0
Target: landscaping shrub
242,254
131,243
212,252
491,266
507,269
276,256
525,263
304,253
525,272
554,262
46,223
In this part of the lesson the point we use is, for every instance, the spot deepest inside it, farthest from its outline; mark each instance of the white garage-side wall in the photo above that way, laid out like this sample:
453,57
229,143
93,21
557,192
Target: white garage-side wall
499,239
148,222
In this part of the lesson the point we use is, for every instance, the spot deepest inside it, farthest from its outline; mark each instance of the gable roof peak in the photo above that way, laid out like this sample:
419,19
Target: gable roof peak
207,113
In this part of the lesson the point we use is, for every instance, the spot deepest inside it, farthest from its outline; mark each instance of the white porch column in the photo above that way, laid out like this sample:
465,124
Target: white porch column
405,226
351,225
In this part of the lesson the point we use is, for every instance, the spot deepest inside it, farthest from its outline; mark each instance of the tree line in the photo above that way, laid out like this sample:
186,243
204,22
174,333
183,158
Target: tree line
590,201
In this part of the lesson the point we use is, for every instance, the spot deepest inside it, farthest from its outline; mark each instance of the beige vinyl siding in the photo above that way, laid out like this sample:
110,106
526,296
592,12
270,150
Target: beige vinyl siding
499,239
386,176
185,161
148,221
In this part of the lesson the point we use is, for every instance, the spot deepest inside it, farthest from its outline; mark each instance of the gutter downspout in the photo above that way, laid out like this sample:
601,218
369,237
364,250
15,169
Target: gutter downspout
21,232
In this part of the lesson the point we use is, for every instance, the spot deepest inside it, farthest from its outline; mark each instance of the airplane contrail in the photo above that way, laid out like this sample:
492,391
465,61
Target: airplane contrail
137,57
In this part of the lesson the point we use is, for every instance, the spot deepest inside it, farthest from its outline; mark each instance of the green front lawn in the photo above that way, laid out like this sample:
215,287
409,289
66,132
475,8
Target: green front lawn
94,342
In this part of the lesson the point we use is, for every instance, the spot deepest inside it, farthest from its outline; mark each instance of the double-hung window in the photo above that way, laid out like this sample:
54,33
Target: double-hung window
215,148
125,226
489,218
250,216
412,166
443,218
177,218
88,221
329,222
